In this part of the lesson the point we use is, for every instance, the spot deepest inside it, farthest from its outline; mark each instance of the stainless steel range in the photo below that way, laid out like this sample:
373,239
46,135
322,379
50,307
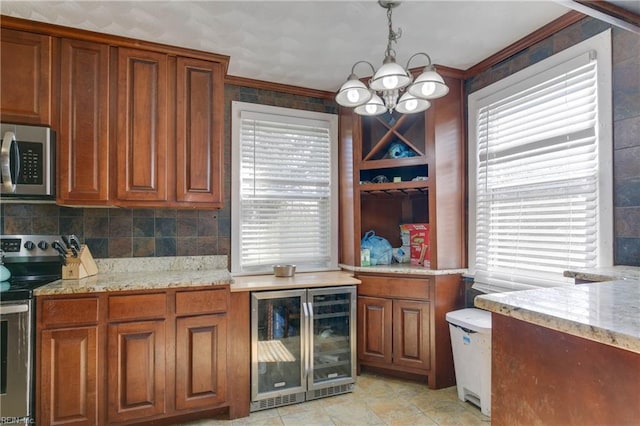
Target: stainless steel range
34,260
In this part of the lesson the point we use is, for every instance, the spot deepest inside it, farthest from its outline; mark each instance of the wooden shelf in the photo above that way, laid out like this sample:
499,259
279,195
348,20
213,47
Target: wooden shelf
389,163
394,188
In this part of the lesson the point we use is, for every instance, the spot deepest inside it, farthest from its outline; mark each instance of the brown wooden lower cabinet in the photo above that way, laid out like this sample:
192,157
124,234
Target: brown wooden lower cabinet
132,357
69,385
201,355
136,370
402,327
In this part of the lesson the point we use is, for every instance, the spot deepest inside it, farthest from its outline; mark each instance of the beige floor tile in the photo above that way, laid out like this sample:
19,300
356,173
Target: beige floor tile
376,401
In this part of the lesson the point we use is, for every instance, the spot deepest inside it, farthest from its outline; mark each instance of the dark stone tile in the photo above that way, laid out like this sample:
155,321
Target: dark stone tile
187,246
626,163
626,45
627,222
626,133
567,38
207,246
120,247
184,214
45,210
96,227
143,227
144,212
22,210
165,246
207,226
144,247
17,225
626,192
45,225
166,213
120,212
71,225
592,26
626,89
96,212
187,226
540,51
224,226
627,251
165,227
120,226
99,247
224,246
74,211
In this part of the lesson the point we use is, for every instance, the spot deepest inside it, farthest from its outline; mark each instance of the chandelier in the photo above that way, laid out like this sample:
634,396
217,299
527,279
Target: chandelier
390,80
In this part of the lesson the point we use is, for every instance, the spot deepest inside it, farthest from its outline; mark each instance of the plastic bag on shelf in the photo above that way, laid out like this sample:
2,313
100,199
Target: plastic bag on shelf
380,249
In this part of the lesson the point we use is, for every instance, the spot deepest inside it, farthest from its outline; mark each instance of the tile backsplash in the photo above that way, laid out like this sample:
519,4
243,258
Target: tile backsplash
116,232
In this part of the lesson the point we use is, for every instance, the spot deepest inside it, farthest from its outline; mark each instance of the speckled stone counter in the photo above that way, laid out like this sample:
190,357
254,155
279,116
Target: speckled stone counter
124,274
299,280
402,269
618,272
606,312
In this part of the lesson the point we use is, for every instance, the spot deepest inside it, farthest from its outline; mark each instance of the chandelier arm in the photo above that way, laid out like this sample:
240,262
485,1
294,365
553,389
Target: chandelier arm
353,68
417,54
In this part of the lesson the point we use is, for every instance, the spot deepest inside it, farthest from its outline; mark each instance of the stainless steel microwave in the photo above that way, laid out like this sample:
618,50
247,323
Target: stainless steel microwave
27,162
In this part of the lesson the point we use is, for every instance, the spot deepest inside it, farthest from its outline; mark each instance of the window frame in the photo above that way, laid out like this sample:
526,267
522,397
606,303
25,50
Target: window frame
601,44
289,115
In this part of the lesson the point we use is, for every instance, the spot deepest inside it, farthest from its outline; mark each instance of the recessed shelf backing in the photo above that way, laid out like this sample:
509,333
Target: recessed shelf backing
380,133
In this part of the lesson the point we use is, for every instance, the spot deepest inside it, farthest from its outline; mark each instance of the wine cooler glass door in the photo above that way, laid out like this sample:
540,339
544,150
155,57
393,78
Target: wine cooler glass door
278,358
332,326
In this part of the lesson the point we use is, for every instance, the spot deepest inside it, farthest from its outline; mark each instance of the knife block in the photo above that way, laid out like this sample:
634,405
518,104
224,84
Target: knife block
81,266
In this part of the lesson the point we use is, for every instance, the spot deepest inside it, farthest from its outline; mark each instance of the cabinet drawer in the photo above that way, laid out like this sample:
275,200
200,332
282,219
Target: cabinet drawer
139,306
201,301
67,312
405,288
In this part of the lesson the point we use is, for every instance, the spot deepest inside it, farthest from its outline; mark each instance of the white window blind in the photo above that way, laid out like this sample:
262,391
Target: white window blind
285,202
537,179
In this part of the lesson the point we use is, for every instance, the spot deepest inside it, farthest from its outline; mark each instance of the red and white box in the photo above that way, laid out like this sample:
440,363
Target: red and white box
416,236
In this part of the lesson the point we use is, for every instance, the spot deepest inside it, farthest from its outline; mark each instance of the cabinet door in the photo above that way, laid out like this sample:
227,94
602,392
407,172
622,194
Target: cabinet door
201,361
69,371
411,334
136,370
84,123
25,77
199,131
142,163
374,330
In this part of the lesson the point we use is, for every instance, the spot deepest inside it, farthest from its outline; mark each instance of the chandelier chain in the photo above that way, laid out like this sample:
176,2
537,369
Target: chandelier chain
393,35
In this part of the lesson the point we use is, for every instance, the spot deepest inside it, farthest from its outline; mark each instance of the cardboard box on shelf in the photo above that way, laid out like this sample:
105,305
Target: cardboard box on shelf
416,236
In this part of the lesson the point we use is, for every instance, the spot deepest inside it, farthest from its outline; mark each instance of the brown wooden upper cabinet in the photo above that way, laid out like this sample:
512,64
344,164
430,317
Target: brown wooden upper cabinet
26,77
84,132
160,96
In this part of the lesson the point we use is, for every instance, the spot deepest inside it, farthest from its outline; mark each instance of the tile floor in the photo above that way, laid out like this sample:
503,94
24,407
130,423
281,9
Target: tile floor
376,400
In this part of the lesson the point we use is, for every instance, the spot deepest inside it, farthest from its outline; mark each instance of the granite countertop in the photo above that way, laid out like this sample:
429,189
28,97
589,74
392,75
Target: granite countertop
402,269
618,272
605,312
145,273
299,280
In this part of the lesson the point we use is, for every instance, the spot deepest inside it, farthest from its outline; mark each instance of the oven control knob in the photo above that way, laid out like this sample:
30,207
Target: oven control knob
29,245
43,245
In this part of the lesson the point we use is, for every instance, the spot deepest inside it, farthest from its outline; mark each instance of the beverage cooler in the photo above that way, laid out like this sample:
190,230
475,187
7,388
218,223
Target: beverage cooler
302,345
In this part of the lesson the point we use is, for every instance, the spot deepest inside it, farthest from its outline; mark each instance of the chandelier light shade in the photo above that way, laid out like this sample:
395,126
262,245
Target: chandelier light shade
390,80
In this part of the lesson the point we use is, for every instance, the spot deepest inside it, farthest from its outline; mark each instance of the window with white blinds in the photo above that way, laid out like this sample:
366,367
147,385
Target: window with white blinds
284,203
541,184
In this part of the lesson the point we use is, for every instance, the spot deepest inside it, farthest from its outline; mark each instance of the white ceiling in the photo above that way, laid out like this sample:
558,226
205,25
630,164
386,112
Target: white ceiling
310,44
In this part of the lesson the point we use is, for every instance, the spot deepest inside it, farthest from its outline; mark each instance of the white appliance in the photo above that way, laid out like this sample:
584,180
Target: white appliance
303,345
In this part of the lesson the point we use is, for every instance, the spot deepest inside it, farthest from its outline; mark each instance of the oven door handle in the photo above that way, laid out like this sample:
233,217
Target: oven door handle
13,309
10,166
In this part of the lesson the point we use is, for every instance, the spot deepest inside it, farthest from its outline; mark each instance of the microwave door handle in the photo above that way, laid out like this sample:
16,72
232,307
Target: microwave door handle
8,164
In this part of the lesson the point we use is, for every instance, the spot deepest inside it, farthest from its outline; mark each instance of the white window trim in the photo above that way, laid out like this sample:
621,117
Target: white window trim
601,43
237,108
